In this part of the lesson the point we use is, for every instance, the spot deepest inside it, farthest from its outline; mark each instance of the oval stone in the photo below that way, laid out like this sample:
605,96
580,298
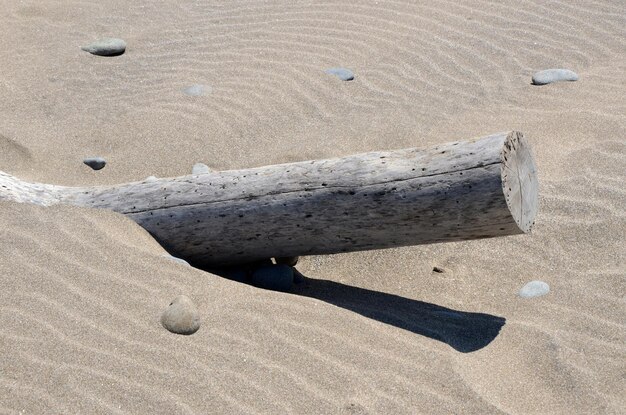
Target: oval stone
273,277
108,46
95,163
549,76
342,73
181,316
196,90
200,168
534,289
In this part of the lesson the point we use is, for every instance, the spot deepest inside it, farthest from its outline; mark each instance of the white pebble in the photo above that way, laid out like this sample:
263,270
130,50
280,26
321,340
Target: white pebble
534,289
200,168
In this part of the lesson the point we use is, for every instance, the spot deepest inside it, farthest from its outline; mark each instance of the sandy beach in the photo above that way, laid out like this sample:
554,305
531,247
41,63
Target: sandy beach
243,84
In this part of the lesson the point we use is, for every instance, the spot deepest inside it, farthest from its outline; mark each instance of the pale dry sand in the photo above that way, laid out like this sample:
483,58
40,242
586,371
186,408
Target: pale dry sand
81,291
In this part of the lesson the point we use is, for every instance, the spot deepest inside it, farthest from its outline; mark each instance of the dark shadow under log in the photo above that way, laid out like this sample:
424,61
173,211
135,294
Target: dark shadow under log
465,190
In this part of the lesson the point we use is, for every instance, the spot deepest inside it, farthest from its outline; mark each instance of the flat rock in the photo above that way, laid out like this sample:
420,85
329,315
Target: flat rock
534,289
273,277
342,73
200,168
196,90
549,76
179,260
108,46
181,316
95,163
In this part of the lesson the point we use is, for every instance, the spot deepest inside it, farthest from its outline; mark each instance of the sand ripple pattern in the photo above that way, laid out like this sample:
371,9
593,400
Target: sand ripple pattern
377,332
415,64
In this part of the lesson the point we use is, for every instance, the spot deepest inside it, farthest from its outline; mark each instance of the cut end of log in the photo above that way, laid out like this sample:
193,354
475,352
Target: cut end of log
519,180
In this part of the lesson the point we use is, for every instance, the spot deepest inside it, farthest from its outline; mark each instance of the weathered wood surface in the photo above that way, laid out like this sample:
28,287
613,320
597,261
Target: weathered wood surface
465,190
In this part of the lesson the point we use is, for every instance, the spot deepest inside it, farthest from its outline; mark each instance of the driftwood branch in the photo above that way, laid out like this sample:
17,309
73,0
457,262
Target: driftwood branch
465,190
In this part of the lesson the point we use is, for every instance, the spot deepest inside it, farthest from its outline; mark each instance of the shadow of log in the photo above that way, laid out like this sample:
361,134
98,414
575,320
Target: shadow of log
464,331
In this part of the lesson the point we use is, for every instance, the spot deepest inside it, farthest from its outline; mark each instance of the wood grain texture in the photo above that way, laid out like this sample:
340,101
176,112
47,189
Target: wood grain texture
465,190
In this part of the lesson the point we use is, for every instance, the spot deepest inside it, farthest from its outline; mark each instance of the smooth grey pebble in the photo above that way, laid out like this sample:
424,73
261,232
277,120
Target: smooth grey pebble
196,90
342,73
150,179
549,76
534,289
179,260
181,316
273,277
200,168
95,163
108,46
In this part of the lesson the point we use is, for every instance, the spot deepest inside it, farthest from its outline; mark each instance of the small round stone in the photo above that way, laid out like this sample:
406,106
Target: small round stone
181,316
273,277
150,179
106,47
534,289
196,90
342,73
549,76
288,260
95,163
200,168
179,260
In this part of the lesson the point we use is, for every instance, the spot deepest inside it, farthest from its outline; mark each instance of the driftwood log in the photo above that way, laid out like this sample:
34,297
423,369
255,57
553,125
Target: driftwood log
464,190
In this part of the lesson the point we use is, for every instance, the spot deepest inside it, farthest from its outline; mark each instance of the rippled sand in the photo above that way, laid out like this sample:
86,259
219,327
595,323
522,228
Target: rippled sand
374,332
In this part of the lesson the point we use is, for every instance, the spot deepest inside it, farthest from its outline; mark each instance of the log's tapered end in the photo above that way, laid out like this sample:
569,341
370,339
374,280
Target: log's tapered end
519,180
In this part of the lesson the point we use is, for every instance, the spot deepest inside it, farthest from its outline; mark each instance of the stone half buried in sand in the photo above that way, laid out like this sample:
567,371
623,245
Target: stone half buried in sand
108,46
549,76
181,316
196,90
200,168
341,73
